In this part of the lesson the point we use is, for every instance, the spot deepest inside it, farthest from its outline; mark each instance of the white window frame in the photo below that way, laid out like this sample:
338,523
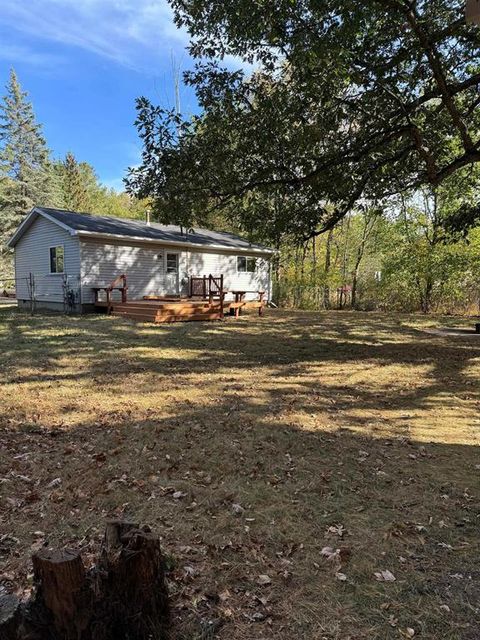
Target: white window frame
55,273
247,258
172,253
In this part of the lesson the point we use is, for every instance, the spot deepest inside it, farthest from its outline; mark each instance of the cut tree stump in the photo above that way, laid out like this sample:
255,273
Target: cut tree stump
9,616
123,597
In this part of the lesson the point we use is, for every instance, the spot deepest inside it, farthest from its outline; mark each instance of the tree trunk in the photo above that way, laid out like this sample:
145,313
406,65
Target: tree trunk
427,296
328,262
356,269
314,272
123,597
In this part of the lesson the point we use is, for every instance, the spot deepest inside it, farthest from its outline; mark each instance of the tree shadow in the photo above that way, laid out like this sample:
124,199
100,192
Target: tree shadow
236,494
418,372
307,421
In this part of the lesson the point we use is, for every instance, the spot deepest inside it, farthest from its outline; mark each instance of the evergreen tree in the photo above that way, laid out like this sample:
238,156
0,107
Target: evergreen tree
24,159
75,184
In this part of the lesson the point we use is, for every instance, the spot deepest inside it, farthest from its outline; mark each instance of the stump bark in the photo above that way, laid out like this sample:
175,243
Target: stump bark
9,616
123,597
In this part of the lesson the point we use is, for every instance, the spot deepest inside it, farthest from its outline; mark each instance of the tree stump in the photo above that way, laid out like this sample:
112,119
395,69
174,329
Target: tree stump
131,578
123,597
62,587
9,616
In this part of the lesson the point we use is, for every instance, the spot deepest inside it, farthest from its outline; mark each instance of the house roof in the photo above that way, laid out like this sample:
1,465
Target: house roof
86,224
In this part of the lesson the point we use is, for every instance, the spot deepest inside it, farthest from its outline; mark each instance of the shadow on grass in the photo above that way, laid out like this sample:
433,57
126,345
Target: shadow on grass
287,348
404,508
234,437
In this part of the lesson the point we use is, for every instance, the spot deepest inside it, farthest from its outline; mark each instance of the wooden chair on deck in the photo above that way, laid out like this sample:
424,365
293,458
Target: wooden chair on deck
109,289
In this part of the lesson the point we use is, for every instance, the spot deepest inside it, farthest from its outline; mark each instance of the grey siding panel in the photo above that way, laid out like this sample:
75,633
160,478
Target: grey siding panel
202,263
103,262
32,255
144,265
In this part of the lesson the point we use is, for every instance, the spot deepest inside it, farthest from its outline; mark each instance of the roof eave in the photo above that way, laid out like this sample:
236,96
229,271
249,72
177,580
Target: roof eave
175,243
26,223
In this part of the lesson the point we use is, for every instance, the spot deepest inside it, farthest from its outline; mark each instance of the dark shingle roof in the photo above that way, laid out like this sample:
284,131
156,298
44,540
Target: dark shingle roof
139,229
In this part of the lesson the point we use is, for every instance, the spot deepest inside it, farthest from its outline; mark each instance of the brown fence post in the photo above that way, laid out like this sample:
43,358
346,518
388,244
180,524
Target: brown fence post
124,290
222,296
31,284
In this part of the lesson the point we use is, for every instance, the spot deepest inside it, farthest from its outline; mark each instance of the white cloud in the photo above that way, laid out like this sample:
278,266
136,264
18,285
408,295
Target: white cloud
139,34
27,55
134,33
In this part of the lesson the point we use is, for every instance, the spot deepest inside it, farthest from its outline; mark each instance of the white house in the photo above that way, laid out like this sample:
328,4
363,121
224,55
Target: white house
63,253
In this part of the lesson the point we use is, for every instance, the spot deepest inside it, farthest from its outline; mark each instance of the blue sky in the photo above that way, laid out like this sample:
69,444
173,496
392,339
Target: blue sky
84,62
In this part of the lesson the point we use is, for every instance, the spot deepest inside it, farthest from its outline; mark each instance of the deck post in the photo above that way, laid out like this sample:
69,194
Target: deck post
261,295
32,293
124,290
222,296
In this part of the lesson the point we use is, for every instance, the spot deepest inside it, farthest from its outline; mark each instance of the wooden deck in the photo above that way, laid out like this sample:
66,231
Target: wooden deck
159,310
166,310
205,302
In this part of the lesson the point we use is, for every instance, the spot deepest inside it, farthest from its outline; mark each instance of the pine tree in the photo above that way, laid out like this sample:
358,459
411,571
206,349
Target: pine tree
75,187
24,159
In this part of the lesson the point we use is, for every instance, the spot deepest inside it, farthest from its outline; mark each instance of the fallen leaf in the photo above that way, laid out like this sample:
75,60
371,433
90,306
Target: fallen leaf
328,552
237,508
264,579
337,529
385,576
392,621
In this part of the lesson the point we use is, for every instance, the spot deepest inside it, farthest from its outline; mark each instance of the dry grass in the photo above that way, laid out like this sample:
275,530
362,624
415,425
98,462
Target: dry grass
308,421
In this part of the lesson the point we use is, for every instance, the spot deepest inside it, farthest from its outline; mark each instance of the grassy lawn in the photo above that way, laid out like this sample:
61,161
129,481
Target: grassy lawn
250,446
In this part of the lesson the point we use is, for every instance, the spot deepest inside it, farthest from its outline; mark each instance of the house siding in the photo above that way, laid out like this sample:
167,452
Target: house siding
102,262
32,256
144,265
203,263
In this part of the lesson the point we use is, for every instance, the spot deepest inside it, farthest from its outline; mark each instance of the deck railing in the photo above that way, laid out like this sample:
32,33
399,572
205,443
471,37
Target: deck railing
205,286
208,287
119,284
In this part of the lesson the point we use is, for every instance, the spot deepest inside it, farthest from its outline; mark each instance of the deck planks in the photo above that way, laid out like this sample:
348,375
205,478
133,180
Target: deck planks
159,310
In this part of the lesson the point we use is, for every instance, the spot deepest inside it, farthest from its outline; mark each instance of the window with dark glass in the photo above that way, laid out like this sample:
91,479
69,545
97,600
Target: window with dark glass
172,262
57,259
246,265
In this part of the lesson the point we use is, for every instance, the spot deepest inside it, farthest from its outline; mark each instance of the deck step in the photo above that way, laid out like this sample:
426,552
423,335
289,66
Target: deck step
135,314
161,312
157,318
164,307
191,318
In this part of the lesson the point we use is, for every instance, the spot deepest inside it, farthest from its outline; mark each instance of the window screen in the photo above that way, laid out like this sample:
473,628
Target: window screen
57,259
172,262
246,265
